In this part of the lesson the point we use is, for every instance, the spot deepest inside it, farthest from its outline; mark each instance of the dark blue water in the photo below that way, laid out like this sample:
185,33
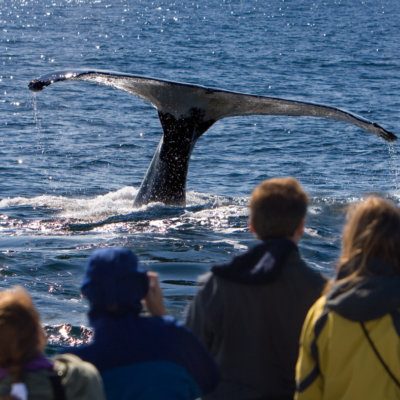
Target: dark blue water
75,154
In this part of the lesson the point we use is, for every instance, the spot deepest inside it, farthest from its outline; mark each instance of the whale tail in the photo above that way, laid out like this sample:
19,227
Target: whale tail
186,112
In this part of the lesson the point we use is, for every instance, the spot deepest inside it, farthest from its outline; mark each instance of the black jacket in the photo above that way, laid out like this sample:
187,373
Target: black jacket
250,313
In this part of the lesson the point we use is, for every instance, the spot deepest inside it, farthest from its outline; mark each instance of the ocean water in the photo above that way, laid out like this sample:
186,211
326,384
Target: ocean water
74,155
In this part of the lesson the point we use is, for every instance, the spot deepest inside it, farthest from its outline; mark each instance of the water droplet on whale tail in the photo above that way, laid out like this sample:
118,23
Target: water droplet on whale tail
37,85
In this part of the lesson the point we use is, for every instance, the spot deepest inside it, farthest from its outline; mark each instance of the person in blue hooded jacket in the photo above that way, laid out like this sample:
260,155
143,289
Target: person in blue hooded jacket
139,357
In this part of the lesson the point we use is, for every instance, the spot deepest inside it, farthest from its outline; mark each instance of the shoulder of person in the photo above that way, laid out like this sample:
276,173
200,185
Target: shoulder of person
297,262
168,326
80,379
170,321
176,328
5,386
37,382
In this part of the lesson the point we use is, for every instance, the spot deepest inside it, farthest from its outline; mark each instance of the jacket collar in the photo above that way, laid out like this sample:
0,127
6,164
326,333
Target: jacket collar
260,265
370,297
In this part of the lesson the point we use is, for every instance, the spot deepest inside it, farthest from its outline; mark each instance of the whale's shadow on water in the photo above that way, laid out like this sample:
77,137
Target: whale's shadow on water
186,112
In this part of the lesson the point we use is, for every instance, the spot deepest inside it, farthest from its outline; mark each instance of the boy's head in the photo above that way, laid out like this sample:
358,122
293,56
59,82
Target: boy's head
277,208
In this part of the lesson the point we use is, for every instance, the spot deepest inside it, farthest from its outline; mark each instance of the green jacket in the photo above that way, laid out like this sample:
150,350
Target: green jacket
81,381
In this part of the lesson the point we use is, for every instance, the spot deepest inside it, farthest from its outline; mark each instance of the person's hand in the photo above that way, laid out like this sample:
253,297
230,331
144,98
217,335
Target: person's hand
154,298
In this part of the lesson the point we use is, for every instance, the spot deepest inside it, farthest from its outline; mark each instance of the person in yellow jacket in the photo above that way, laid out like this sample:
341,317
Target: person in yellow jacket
350,342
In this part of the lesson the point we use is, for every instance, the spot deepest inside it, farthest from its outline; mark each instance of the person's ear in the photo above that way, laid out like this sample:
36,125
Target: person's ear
251,227
300,229
298,233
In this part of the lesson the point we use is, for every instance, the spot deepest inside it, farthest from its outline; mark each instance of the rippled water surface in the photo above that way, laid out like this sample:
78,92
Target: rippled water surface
73,156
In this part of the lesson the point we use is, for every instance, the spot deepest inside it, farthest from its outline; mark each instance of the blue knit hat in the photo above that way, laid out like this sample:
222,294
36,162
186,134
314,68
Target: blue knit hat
114,283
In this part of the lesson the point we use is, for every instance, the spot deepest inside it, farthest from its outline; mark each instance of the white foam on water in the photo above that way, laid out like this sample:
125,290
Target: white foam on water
213,201
237,245
221,212
121,201
218,213
317,266
314,210
311,232
113,203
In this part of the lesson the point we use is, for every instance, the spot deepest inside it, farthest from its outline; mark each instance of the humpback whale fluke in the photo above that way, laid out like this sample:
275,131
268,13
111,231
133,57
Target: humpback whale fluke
186,112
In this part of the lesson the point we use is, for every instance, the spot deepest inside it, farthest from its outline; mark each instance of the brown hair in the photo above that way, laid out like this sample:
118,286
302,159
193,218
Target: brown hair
372,231
277,207
20,332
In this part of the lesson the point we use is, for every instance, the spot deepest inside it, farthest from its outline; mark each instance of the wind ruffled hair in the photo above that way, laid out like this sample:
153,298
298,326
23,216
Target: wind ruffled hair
22,337
372,233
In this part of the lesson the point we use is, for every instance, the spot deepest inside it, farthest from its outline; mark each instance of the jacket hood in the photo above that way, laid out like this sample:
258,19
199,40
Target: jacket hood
370,298
114,283
260,265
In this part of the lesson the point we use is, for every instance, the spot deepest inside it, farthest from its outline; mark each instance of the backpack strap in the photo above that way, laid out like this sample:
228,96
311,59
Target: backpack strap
58,388
378,355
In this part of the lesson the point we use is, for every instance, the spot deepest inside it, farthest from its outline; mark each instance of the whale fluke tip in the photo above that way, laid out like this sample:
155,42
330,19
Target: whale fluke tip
36,85
384,134
390,137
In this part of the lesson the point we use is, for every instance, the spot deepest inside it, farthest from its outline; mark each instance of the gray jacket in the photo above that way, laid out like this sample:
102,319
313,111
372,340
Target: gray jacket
81,381
253,328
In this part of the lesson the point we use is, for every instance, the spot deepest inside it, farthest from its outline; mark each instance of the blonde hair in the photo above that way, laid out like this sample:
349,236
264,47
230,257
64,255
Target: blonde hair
277,208
20,332
372,231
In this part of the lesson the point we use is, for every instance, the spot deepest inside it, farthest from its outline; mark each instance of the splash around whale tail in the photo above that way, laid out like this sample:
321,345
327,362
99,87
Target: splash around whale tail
186,112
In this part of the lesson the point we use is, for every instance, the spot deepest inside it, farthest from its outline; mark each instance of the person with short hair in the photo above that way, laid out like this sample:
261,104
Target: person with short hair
140,357
25,373
249,312
350,344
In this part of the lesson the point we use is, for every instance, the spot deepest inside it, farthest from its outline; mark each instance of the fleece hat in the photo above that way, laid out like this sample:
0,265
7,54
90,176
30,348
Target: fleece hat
114,283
